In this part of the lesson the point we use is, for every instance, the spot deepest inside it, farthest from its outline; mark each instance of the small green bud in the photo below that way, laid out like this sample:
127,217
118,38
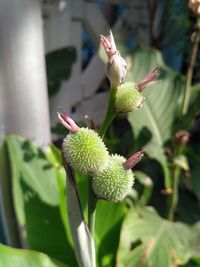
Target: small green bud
85,151
114,183
128,98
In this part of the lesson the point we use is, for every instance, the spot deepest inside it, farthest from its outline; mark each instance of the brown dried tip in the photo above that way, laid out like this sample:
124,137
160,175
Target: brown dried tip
133,160
182,137
149,79
194,5
67,122
167,191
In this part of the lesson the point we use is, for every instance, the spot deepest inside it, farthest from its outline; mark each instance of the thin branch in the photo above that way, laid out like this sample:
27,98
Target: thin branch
186,97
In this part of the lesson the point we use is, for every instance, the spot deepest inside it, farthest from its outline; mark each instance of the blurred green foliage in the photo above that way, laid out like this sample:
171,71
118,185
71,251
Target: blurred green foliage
59,66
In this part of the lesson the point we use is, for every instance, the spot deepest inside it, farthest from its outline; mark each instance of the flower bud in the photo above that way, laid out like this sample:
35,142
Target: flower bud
116,65
83,149
128,98
194,5
114,183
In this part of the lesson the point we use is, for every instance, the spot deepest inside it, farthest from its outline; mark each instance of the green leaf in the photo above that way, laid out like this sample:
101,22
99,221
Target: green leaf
160,103
10,257
10,229
46,219
28,163
149,240
154,121
37,195
106,245
109,217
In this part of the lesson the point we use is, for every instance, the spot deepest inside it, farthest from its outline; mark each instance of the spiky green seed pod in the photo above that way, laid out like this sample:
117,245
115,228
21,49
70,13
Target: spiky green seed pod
128,98
85,151
114,183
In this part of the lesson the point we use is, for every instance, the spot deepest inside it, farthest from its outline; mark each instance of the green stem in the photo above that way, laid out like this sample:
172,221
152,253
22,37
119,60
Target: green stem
186,97
92,201
110,113
174,197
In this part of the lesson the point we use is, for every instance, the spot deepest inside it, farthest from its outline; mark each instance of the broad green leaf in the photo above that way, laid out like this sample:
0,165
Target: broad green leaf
10,257
154,120
37,196
149,240
106,246
54,156
109,218
46,219
28,163
10,229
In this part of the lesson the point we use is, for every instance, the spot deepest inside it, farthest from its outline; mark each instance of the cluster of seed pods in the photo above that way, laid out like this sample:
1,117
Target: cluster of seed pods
85,151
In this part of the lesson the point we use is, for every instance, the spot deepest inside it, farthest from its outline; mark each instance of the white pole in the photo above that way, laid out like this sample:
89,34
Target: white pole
23,88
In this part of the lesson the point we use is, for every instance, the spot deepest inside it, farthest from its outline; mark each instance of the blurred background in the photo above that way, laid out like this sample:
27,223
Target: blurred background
50,57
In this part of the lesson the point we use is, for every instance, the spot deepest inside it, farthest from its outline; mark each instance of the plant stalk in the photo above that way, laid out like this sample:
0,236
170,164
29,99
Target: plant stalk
186,97
92,201
173,200
174,196
110,113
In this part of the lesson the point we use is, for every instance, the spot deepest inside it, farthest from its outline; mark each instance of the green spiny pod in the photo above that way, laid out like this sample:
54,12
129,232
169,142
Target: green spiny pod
114,182
128,98
85,151
83,148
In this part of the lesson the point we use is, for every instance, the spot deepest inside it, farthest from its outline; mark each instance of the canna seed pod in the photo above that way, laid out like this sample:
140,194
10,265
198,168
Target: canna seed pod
85,151
128,98
114,182
83,148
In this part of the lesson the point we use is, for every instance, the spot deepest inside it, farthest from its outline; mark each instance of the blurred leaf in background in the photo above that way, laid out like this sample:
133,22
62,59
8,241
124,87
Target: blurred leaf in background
36,196
10,257
59,66
38,192
152,125
148,240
